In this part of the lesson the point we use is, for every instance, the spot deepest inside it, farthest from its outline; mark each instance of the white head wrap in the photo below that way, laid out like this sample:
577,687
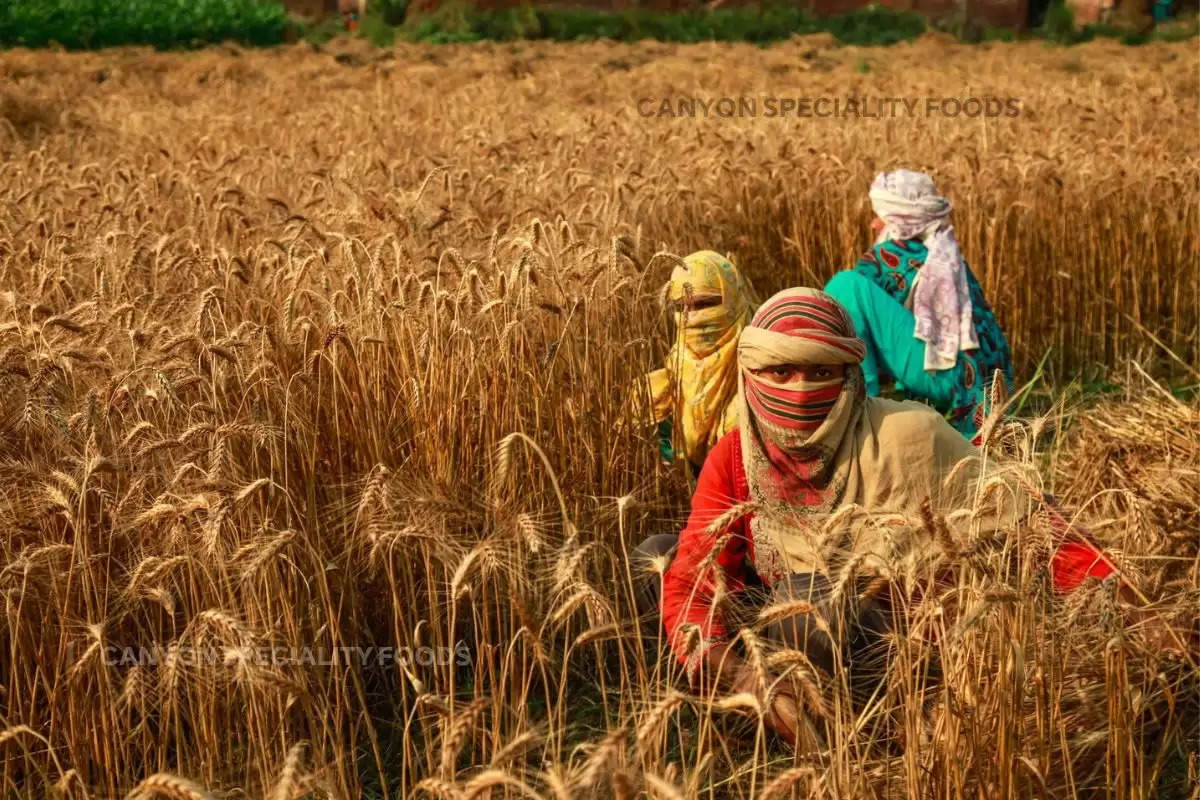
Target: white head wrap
911,208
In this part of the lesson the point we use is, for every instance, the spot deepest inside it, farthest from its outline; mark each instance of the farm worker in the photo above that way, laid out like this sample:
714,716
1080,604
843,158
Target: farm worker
820,461
920,310
695,390
351,11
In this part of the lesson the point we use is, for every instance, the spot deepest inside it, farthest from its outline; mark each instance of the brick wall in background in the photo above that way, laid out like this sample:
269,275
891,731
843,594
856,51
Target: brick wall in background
311,8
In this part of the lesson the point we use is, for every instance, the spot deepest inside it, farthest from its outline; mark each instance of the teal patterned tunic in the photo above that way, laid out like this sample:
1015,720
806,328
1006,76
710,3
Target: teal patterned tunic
893,266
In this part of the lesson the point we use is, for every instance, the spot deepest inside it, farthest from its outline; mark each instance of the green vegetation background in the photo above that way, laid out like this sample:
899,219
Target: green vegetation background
166,24
90,24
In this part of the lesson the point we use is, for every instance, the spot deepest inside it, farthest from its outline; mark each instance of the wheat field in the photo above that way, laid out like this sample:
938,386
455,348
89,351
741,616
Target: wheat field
329,351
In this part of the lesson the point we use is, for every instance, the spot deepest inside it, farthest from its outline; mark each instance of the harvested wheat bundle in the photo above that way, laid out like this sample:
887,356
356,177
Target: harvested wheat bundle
1138,461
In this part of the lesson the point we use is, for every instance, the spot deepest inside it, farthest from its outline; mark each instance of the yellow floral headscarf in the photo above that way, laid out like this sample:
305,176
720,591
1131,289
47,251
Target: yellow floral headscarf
697,388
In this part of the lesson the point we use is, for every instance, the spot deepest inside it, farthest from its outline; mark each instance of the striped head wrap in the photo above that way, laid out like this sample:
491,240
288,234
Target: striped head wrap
800,326
791,432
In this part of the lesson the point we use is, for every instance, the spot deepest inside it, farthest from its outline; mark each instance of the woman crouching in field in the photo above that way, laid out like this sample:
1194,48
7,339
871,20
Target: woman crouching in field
920,310
813,450
696,389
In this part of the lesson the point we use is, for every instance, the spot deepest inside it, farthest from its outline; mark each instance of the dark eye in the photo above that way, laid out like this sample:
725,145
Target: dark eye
824,372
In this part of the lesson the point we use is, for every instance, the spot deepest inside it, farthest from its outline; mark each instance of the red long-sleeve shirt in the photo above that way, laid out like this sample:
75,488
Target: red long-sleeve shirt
689,586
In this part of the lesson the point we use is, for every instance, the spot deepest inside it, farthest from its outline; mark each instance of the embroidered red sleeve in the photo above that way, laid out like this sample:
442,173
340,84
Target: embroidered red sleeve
691,581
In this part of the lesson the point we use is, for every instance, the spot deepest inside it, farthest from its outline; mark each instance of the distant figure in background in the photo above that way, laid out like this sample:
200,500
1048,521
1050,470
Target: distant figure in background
694,392
920,310
352,11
